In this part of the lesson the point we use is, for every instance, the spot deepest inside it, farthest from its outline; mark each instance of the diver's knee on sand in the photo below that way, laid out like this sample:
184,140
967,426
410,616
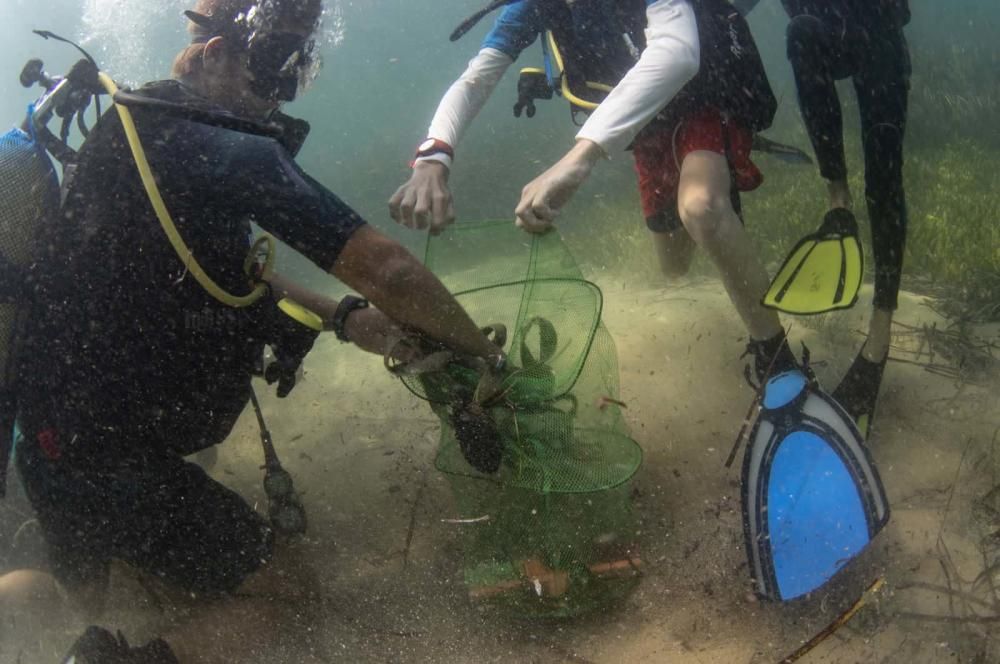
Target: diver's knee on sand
274,605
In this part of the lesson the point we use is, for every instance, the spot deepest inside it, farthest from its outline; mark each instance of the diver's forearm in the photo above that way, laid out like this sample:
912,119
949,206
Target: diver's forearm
321,305
670,60
425,304
467,96
407,292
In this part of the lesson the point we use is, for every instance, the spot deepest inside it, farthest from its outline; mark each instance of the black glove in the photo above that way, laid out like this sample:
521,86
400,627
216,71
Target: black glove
282,371
290,341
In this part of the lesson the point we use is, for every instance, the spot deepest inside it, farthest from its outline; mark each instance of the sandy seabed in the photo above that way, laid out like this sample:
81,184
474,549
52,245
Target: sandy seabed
387,572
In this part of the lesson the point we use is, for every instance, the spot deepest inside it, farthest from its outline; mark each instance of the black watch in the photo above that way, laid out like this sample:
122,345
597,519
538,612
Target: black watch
347,305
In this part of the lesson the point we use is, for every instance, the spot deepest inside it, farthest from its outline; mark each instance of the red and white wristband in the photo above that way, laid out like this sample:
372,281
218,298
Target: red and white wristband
434,149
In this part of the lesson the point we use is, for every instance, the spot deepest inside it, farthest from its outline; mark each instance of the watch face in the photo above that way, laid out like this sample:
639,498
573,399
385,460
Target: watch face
426,145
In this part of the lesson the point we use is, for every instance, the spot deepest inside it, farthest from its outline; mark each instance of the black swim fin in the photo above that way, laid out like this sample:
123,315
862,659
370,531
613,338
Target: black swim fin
858,391
823,272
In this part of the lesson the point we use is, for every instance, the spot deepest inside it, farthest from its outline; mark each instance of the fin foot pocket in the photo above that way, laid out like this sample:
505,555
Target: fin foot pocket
771,356
858,390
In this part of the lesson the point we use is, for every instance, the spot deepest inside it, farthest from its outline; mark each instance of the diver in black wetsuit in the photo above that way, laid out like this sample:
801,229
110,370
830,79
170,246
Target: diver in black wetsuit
830,40
130,362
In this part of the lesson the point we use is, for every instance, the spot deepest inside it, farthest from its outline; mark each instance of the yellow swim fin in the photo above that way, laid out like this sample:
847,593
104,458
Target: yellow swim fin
824,270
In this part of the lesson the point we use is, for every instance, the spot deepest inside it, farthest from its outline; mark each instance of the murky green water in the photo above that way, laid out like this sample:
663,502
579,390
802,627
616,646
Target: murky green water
387,570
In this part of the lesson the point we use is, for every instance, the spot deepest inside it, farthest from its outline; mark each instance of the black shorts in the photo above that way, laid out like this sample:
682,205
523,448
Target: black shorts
154,511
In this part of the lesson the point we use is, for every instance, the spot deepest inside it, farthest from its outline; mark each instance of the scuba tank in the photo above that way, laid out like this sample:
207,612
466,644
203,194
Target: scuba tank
593,43
29,191
589,45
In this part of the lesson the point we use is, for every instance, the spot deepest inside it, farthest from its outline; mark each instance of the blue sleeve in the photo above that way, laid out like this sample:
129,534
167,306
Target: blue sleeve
516,29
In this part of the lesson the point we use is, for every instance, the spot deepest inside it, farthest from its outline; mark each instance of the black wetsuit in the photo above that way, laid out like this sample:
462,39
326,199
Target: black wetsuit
130,364
829,40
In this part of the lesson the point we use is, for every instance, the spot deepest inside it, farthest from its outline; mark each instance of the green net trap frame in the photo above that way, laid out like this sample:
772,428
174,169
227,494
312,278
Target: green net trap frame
552,533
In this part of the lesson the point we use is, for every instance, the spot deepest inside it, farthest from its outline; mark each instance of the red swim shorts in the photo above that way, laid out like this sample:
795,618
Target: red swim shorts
660,150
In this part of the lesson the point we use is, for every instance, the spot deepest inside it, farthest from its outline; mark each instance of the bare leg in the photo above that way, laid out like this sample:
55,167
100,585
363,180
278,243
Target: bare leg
270,610
840,194
707,213
674,249
879,332
31,605
236,628
24,586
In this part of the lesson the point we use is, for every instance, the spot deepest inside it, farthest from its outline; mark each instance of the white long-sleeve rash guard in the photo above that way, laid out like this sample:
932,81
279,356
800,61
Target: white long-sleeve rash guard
670,60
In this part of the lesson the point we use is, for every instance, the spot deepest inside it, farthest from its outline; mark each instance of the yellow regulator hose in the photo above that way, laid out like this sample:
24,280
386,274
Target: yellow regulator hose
160,208
567,93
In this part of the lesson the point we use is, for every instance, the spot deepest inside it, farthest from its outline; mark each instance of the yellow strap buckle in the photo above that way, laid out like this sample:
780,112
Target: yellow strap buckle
299,313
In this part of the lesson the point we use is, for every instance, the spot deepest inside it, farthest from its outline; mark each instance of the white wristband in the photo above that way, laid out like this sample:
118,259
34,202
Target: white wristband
441,157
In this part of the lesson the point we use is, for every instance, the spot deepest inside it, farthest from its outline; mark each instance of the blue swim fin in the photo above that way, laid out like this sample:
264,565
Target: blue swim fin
812,498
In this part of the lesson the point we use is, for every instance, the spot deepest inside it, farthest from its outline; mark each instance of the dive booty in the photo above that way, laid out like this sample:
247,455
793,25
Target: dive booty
858,390
771,356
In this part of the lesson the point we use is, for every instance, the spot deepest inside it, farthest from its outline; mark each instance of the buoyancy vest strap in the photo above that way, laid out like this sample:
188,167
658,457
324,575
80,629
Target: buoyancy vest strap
567,92
163,215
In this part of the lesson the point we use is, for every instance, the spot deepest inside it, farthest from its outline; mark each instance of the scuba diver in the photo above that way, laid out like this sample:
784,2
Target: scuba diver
679,82
830,40
137,353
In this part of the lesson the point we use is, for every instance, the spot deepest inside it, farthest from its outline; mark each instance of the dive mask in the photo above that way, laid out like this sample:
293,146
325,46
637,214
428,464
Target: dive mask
282,63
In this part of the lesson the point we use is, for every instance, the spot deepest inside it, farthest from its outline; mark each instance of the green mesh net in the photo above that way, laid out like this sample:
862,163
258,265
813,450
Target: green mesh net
551,533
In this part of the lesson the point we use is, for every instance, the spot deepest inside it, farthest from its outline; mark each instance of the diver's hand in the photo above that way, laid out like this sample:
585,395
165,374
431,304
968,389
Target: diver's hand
371,330
425,200
542,198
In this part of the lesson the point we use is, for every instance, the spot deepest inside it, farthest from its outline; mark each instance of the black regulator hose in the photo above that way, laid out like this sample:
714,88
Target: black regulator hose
285,510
